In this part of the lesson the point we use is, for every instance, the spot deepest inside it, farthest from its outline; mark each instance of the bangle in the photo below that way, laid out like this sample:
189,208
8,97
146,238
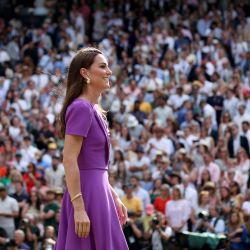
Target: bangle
76,196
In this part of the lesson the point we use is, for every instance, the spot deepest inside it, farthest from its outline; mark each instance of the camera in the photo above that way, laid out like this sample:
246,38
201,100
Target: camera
155,221
204,215
131,214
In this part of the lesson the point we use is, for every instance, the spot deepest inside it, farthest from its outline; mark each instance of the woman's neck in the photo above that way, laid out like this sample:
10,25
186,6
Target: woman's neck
91,96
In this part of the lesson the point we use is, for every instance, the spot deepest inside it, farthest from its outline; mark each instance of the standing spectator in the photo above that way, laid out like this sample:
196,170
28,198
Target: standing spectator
242,116
177,211
55,174
209,165
236,232
50,209
141,164
236,141
21,197
8,211
161,201
140,192
30,177
159,143
131,202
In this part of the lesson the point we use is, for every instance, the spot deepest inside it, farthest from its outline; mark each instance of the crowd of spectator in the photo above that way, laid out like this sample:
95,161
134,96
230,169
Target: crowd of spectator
178,115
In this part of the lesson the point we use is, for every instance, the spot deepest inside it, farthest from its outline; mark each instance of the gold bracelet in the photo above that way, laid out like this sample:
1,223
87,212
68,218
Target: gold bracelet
76,196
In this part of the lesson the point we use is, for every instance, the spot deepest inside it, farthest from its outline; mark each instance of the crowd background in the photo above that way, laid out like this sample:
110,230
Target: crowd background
178,115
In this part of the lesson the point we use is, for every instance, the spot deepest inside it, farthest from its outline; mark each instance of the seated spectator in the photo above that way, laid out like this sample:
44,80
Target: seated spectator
161,201
33,205
159,232
236,196
133,231
146,181
50,209
55,174
177,211
19,238
236,232
156,191
30,177
131,202
49,238
140,192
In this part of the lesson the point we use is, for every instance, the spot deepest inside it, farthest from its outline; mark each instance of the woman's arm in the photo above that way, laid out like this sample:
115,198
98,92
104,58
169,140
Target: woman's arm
121,209
25,209
72,147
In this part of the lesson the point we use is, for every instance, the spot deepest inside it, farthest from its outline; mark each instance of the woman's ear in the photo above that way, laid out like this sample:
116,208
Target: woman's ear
84,73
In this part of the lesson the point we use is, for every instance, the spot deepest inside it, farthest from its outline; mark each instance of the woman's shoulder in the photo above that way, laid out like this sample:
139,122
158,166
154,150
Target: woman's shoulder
80,105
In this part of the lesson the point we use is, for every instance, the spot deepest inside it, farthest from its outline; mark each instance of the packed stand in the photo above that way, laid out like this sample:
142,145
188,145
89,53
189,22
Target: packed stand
179,118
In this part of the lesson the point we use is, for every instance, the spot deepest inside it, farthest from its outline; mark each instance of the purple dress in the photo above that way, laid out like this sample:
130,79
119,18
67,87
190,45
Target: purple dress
106,233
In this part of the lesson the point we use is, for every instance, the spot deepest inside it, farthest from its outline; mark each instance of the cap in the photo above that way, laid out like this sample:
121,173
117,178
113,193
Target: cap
27,138
182,151
164,159
175,174
2,187
132,122
209,185
197,84
51,190
128,185
18,153
52,145
140,149
56,156
59,191
149,209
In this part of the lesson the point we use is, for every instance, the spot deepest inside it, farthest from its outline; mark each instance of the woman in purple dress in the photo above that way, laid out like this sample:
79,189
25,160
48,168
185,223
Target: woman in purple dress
92,215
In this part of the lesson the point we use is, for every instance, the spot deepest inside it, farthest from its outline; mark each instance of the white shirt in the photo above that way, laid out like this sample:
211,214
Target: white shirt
143,195
176,101
8,205
246,206
231,106
164,144
219,226
177,212
208,110
163,113
28,154
55,178
191,195
238,119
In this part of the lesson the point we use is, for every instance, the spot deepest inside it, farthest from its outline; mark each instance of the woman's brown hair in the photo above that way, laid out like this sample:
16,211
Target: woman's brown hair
76,84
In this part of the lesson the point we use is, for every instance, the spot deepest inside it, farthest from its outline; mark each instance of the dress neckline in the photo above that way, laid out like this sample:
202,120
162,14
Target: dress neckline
85,100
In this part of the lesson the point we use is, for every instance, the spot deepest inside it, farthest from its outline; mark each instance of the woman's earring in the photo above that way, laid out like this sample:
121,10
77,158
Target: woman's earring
88,81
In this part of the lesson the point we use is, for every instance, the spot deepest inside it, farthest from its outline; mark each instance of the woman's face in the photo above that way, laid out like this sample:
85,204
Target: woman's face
158,184
99,73
33,196
124,131
117,155
205,176
226,118
234,218
176,194
146,175
224,192
205,198
242,154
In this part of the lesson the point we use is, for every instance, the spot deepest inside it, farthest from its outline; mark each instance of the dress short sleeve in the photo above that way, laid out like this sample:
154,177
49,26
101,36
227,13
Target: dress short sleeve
78,118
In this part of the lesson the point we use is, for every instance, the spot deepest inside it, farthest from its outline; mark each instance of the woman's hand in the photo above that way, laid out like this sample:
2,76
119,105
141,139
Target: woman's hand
121,210
82,223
